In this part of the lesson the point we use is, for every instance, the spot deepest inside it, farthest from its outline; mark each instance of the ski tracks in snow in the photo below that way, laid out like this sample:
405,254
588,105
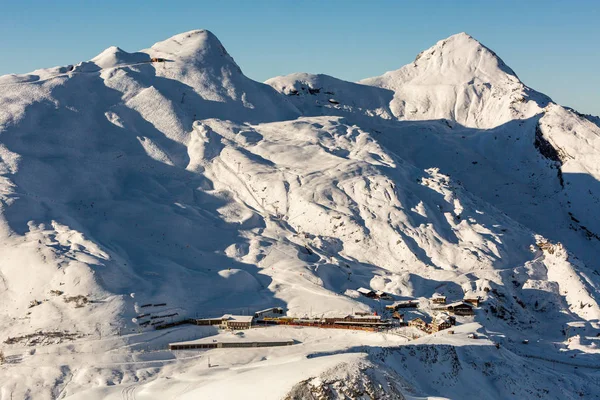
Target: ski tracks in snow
128,392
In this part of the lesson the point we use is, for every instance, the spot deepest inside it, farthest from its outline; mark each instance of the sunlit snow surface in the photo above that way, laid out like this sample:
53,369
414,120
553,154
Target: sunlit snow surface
186,183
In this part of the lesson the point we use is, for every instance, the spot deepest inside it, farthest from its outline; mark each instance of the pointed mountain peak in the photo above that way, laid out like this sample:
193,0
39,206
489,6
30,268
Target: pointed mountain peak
463,56
198,46
464,36
457,79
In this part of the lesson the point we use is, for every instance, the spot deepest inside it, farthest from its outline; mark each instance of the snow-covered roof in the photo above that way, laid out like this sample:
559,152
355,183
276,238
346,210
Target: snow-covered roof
370,316
458,303
406,302
266,310
237,318
209,319
231,339
364,290
437,295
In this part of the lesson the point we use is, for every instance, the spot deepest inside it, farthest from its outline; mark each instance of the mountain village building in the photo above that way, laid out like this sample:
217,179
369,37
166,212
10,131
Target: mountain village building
402,304
439,323
473,300
438,299
460,308
418,323
228,321
274,312
236,321
380,294
366,292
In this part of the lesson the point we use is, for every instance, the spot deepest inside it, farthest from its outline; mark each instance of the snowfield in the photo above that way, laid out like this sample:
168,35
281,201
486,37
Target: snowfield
183,189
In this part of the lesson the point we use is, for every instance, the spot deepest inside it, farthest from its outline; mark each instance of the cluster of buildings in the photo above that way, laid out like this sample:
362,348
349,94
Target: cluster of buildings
240,322
438,323
276,316
356,320
367,321
464,307
447,312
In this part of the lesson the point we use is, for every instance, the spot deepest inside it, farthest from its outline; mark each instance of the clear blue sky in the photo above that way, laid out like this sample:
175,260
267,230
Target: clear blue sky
554,46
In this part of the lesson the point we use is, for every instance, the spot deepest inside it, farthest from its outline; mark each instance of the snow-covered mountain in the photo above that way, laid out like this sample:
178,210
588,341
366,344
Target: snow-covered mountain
184,183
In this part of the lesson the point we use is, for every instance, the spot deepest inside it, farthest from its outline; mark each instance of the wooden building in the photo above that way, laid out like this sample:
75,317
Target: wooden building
366,292
439,323
438,299
418,323
380,294
473,300
460,308
403,304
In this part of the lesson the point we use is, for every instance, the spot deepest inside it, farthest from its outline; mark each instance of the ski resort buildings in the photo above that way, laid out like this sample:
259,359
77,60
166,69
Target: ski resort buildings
355,320
439,322
228,321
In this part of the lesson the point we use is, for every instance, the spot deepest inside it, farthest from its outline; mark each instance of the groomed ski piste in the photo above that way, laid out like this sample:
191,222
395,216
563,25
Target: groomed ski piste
136,191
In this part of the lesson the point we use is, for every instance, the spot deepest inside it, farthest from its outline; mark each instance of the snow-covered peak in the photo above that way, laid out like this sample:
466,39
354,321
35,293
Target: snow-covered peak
197,46
194,71
460,57
457,79
115,56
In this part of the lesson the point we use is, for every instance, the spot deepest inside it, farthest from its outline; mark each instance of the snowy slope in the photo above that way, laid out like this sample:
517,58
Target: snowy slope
186,184
326,95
